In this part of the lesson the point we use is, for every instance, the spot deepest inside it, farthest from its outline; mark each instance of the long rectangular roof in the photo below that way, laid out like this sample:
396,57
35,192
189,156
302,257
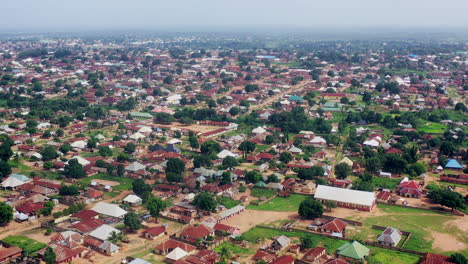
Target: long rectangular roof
344,195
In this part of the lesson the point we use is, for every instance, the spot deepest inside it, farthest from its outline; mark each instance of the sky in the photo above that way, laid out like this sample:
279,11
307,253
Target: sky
230,14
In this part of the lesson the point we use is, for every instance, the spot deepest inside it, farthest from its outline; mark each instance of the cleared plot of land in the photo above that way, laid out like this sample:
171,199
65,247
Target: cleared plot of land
286,204
378,255
251,218
122,182
431,231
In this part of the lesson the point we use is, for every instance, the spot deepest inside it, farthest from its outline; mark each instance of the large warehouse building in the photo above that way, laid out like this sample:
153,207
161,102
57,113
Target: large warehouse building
364,201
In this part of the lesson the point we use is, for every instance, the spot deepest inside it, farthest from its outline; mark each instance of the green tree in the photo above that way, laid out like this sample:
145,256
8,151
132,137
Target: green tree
49,153
6,213
120,170
205,201
285,157
458,258
74,170
49,256
342,170
307,242
174,177
65,148
69,190
130,148
447,198
246,147
5,168
175,165
5,151
210,147
226,178
253,177
155,205
105,151
132,222
230,162
141,188
225,254
310,208
311,173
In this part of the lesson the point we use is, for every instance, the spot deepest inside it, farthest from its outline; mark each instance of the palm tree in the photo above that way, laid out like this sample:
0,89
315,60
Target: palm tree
224,254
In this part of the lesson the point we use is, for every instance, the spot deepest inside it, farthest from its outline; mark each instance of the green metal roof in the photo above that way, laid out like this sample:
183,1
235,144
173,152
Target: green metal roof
353,250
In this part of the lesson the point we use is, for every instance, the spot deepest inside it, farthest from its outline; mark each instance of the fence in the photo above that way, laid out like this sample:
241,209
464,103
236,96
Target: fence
405,233
454,212
369,243
262,202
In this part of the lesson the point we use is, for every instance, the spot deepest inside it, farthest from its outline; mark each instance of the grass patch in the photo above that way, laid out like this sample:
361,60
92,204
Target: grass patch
17,164
235,249
259,192
125,183
386,183
228,202
28,245
261,148
288,204
432,128
379,255
419,222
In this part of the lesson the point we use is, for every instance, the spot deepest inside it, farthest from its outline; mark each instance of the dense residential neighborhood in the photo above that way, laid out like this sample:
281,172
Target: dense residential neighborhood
188,150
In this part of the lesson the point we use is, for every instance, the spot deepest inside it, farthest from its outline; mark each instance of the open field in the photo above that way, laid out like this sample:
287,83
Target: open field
431,231
259,192
378,255
288,204
432,128
124,183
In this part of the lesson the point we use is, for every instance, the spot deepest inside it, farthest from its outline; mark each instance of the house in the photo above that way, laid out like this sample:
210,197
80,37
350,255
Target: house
154,232
354,250
316,255
335,227
63,254
87,225
9,253
390,237
93,195
384,195
85,214
337,261
176,254
103,232
281,243
132,200
453,164
286,259
410,189
171,244
109,209
192,234
263,256
364,201
139,261
108,248
30,208
222,228
432,258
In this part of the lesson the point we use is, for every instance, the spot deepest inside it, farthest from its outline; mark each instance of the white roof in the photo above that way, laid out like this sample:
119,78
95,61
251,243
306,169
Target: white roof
135,166
259,130
318,140
225,153
372,143
139,261
344,195
11,182
103,232
78,144
177,254
145,129
131,198
137,136
109,209
81,161
174,141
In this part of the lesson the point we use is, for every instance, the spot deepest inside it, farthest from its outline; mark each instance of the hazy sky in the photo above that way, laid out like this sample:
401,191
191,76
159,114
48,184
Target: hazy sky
159,15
